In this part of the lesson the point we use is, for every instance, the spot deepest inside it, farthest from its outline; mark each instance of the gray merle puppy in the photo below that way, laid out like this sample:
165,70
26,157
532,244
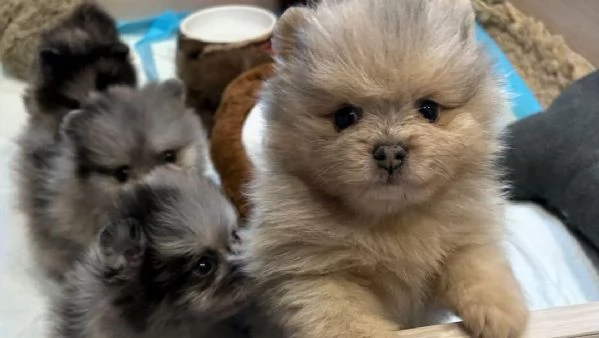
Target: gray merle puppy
115,139
164,266
82,54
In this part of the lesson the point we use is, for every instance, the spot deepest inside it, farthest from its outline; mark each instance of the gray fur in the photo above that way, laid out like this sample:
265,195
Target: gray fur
67,186
139,279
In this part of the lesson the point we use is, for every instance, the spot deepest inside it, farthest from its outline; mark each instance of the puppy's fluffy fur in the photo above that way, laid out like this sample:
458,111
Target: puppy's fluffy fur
342,248
116,138
164,266
81,54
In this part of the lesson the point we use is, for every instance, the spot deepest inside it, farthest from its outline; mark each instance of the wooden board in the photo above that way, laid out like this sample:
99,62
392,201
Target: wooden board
576,20
572,321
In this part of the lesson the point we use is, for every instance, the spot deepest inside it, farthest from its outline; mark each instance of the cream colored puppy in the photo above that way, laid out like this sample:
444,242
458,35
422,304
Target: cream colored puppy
380,207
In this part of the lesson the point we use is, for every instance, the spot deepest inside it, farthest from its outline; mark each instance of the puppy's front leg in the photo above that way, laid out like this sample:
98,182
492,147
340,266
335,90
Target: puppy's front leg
121,247
330,307
480,286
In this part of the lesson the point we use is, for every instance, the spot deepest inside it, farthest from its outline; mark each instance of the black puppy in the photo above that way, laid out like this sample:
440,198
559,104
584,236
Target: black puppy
80,55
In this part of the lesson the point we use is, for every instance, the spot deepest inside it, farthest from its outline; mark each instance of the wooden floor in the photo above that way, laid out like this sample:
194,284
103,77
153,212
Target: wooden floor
576,20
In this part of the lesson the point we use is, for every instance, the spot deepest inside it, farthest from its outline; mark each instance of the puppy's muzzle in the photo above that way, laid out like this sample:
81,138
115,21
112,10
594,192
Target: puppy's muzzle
389,156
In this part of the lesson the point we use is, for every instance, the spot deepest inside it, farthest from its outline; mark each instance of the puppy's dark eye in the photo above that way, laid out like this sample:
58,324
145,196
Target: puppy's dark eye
429,110
235,235
205,266
347,116
122,174
169,156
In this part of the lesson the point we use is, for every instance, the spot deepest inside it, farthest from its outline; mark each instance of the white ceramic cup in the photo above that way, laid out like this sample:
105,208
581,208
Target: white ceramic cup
229,24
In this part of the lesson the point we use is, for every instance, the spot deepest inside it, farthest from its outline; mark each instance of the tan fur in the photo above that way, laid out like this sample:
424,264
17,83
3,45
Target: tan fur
337,246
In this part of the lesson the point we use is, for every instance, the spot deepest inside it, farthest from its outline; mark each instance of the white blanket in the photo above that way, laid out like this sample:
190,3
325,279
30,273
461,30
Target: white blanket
547,259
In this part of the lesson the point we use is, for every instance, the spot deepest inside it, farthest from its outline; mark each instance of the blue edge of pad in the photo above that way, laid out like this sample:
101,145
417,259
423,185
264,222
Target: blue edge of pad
164,26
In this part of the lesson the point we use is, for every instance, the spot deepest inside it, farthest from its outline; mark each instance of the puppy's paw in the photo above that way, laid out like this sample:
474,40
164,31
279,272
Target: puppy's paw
122,246
504,320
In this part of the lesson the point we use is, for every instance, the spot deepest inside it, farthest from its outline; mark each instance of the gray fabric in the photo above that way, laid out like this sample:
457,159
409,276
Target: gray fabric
553,157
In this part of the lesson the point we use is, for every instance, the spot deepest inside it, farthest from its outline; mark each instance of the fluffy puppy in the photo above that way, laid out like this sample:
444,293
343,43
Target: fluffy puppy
81,54
115,139
164,266
380,208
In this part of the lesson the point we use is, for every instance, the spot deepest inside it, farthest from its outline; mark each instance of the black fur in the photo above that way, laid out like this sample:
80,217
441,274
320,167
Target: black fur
86,40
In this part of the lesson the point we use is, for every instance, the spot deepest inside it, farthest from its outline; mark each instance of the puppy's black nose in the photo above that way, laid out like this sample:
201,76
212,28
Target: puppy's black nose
389,156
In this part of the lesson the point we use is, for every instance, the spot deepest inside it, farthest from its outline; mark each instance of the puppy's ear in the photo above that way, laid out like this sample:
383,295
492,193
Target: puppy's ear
469,25
90,14
173,88
75,124
72,124
285,36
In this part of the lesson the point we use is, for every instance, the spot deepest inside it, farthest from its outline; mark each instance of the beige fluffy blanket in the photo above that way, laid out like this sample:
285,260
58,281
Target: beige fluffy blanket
22,22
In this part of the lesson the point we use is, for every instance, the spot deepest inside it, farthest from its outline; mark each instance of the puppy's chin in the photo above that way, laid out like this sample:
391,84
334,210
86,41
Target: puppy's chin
385,195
